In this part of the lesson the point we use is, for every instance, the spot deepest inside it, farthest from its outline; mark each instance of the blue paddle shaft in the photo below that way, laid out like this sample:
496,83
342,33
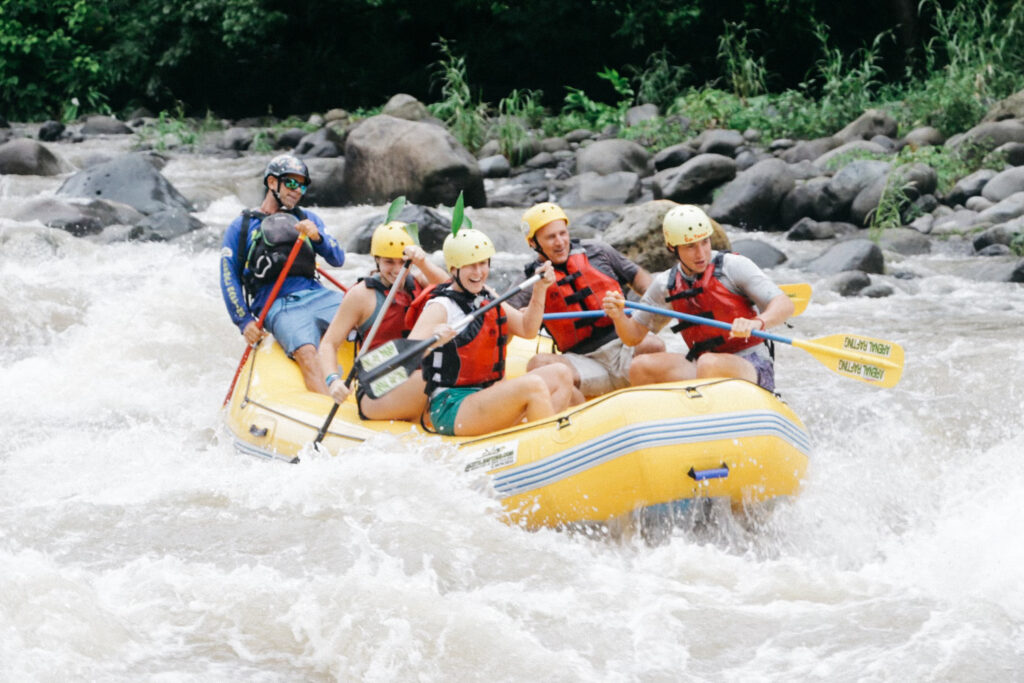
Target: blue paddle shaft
705,321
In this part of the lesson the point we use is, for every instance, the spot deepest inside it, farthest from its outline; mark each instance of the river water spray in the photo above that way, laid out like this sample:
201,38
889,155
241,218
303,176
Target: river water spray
135,544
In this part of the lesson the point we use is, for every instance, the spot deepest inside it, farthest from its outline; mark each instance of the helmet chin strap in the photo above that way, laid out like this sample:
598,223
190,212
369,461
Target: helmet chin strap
277,198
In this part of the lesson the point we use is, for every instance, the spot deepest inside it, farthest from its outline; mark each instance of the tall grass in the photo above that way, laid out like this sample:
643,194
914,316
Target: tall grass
465,116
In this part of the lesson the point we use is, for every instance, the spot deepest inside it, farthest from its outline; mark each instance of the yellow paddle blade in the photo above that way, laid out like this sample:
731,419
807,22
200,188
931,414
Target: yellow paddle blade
875,361
799,294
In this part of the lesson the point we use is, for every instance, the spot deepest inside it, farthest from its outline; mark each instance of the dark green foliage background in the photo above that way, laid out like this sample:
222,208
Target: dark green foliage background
250,57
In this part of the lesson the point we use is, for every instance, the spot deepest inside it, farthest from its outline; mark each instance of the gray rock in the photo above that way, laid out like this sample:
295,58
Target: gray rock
407,107
877,291
386,157
869,124
515,192
594,189
905,241
853,254
850,181
831,158
849,283
165,225
612,156
104,125
22,156
130,180
912,180
960,222
639,113
970,186
761,253
806,200
995,250
327,182
719,141
494,166
673,156
985,137
1003,234
51,131
637,234
810,229
1011,153
924,136
235,138
433,228
555,144
289,139
324,143
1004,184
809,150
752,200
1004,210
978,204
79,217
692,181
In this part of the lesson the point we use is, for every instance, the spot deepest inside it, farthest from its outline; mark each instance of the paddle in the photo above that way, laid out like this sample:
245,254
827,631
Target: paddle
266,308
399,279
330,279
393,210
389,365
874,361
799,294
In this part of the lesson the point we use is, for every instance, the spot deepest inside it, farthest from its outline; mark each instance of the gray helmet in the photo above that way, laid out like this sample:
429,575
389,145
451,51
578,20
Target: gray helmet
285,164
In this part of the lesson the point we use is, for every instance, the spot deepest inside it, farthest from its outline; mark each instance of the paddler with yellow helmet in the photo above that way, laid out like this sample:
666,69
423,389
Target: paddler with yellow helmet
703,282
465,372
391,245
585,271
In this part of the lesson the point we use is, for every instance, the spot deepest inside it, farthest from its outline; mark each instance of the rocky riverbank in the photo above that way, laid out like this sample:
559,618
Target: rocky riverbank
827,190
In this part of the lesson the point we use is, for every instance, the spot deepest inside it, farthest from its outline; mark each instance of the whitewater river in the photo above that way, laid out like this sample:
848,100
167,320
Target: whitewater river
135,544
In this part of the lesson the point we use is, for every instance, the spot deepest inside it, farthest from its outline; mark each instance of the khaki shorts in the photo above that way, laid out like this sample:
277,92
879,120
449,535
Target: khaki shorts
604,369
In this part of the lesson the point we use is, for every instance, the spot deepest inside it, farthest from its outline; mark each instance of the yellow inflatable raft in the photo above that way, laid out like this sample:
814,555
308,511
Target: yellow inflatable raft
619,454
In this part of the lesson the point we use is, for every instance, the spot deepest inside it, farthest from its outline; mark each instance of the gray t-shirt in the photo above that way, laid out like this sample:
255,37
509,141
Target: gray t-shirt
602,256
738,273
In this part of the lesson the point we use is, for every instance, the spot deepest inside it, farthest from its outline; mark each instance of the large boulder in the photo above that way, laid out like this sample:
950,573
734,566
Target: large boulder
985,137
130,180
432,226
77,216
854,254
386,157
613,156
594,189
849,182
970,186
912,180
22,156
693,180
752,200
637,234
327,182
1004,184
869,124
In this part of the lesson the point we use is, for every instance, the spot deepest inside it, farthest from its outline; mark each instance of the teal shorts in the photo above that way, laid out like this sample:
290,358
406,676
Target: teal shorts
444,407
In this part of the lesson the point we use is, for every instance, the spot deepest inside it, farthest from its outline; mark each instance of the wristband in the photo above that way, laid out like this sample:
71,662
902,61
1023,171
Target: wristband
330,379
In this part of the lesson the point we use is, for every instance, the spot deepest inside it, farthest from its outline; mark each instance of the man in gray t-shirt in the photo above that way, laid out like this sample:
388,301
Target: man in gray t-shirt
725,287
586,272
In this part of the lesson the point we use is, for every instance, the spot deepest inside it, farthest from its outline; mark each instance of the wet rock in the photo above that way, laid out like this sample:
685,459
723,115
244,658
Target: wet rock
970,186
854,254
612,156
1004,184
80,217
877,291
809,150
433,227
751,201
719,141
494,166
810,229
327,186
51,131
871,123
849,283
675,155
905,241
638,235
761,253
692,181
130,180
594,189
22,156
105,125
324,143
387,157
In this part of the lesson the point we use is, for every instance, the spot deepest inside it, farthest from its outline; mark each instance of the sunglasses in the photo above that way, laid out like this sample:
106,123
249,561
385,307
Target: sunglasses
293,184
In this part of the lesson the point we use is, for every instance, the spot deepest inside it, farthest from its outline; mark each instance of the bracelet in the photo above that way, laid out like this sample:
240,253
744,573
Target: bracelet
330,378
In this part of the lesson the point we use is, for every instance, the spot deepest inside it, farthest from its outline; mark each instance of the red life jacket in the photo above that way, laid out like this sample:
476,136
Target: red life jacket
708,298
580,287
394,323
476,357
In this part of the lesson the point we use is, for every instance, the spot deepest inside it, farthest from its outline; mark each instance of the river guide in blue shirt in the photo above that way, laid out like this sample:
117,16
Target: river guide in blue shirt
251,262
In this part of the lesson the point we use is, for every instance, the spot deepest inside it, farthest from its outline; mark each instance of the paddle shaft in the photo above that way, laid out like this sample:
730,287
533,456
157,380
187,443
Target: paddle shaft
420,348
330,279
858,350
266,309
399,279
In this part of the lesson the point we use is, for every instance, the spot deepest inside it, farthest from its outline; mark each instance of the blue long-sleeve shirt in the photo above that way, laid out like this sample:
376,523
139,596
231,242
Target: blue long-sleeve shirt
243,309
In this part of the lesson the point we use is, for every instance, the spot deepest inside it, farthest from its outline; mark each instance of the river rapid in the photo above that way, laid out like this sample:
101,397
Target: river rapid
135,544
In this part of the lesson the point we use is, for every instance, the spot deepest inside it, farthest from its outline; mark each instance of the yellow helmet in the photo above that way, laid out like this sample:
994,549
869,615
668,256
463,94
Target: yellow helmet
466,247
390,240
686,224
539,215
